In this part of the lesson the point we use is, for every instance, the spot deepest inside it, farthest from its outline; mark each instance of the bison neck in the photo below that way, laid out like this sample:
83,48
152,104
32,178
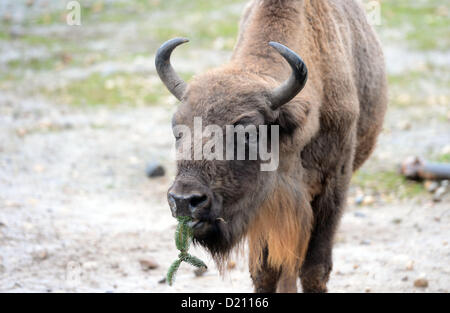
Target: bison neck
265,21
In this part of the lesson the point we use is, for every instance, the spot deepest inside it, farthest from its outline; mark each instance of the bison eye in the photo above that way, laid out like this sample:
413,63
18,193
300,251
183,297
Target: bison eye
252,139
177,133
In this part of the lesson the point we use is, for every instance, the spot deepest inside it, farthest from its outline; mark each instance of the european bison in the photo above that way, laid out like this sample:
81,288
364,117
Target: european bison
329,112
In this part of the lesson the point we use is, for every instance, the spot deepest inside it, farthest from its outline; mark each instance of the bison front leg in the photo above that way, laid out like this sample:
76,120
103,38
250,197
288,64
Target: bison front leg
317,266
327,208
287,283
265,278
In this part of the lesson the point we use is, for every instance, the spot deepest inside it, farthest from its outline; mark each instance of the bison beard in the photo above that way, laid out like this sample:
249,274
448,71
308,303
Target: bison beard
280,226
223,234
218,240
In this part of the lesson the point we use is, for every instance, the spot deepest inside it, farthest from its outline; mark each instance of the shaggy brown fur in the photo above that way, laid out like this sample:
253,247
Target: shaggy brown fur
327,132
283,227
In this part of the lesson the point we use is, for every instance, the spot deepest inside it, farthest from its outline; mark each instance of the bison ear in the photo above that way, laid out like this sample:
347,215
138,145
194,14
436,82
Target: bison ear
287,123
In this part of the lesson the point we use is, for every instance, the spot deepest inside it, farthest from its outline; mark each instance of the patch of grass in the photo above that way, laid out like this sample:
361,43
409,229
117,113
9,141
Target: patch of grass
4,35
89,10
412,87
113,90
426,23
50,18
186,76
36,40
50,62
444,158
388,183
202,21
200,28
222,28
183,6
36,64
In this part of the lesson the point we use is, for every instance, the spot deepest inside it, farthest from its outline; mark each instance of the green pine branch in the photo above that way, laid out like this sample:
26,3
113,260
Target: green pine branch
183,239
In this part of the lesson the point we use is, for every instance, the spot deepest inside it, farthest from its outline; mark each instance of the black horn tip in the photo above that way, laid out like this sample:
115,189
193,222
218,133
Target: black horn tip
293,58
173,43
277,45
178,41
282,49
166,48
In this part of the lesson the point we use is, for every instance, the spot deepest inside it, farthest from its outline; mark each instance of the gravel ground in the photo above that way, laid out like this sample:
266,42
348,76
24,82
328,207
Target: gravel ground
77,212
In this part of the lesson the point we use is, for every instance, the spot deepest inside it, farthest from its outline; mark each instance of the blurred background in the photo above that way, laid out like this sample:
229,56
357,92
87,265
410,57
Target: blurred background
86,150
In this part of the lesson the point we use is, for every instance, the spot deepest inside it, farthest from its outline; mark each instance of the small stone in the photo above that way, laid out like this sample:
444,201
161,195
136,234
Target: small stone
115,265
90,265
421,283
355,267
12,204
359,214
359,199
440,192
405,278
417,227
200,271
404,125
7,18
231,265
340,239
28,227
397,221
21,132
133,160
40,255
431,186
97,7
368,200
155,169
65,57
410,265
367,290
148,264
446,148
38,168
32,201
403,98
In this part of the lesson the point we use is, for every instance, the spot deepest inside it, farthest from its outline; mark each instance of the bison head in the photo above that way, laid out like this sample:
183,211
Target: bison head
222,195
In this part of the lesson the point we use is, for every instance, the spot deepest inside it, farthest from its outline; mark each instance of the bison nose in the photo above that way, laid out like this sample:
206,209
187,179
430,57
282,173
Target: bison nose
187,205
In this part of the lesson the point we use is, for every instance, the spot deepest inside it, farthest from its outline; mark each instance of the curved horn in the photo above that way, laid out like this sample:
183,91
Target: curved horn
291,87
169,77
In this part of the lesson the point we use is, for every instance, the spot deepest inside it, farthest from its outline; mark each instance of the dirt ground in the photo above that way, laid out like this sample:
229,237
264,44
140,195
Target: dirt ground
77,212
